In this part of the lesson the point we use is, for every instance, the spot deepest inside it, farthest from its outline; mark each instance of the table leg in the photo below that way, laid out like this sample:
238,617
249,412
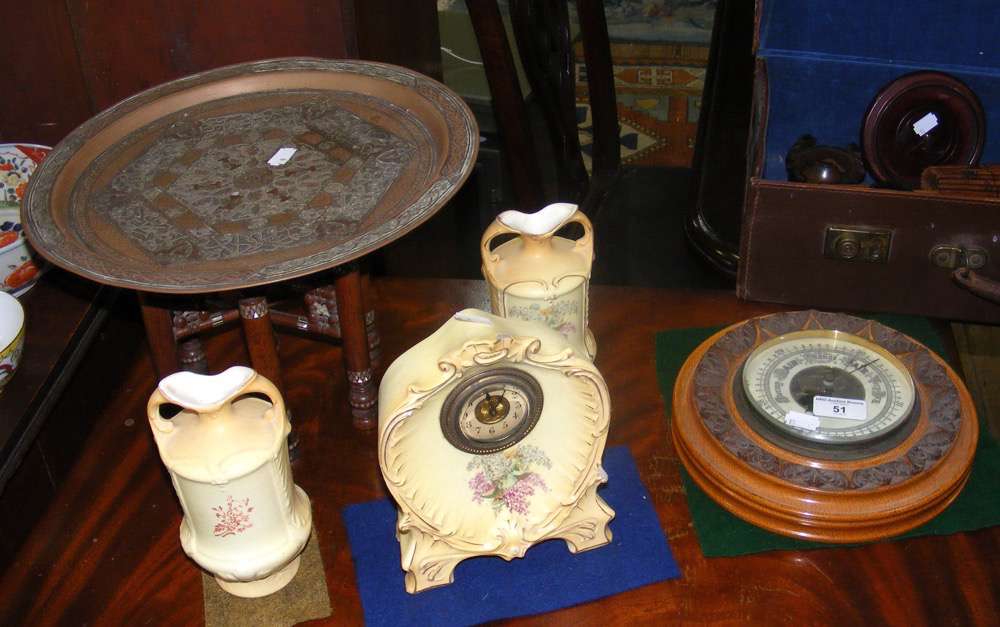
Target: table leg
192,356
362,394
263,348
371,327
160,335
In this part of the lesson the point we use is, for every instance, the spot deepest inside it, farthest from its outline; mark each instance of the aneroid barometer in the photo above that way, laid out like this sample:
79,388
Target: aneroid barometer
491,433
823,426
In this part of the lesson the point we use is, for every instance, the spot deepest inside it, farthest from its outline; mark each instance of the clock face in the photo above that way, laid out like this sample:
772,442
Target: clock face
828,387
491,410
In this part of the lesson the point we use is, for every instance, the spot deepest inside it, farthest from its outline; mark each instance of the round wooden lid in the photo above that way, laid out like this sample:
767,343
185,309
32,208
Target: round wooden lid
919,120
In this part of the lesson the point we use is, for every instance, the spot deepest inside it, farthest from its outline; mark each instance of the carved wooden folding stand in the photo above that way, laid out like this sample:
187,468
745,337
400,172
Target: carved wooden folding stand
251,175
328,313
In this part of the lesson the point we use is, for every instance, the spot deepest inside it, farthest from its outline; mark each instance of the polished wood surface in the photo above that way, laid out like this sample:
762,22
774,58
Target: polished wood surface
107,551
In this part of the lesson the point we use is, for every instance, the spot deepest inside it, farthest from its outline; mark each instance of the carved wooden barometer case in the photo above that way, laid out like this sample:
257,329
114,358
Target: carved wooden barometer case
491,433
823,426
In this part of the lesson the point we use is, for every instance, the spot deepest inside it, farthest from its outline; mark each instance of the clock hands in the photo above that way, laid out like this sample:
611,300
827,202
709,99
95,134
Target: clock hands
492,408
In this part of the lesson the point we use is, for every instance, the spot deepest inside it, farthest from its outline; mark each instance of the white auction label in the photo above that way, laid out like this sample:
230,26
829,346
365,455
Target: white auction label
282,157
832,407
925,124
802,420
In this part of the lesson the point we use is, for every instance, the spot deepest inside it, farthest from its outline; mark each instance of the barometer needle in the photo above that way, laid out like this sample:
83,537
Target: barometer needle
864,365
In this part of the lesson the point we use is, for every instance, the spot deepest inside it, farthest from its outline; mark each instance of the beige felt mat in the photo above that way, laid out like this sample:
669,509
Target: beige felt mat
304,598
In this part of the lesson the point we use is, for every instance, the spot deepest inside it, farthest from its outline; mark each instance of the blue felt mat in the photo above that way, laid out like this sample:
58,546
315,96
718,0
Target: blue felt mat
488,588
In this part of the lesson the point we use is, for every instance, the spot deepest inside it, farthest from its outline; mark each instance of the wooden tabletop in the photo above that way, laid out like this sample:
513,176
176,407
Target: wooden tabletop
108,550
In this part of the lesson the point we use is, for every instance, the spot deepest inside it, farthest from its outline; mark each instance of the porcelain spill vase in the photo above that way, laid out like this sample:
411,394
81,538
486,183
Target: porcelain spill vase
491,433
245,521
540,276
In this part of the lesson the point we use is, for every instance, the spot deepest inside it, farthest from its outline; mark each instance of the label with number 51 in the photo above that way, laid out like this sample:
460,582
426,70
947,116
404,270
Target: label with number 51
832,407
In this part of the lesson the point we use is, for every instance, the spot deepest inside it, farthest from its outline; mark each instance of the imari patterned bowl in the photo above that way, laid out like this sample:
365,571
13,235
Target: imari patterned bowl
19,268
11,337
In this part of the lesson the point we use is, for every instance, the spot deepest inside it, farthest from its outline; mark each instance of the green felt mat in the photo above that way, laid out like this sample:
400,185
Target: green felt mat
722,534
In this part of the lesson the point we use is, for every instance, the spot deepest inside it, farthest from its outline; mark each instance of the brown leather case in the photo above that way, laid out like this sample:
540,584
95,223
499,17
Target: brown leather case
784,237
784,244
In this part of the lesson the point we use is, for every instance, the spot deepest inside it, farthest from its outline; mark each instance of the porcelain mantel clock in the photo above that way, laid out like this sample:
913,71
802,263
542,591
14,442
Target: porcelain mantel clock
491,433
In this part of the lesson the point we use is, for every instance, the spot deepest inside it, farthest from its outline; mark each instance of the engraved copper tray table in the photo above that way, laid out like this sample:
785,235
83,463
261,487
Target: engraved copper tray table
178,190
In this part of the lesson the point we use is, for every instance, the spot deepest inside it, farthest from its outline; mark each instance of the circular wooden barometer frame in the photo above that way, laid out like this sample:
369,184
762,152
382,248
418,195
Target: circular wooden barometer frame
868,497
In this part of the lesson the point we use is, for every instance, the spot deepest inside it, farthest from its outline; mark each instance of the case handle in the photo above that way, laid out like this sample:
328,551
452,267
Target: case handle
977,284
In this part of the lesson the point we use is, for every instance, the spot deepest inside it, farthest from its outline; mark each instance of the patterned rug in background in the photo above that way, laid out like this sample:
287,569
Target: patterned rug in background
659,51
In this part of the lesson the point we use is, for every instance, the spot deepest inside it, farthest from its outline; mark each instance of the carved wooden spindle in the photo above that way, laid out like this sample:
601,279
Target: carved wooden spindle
160,335
371,326
191,355
363,394
324,317
263,347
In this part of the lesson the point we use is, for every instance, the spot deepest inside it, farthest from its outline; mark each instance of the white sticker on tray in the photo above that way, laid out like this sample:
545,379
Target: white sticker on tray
802,420
283,156
925,124
832,407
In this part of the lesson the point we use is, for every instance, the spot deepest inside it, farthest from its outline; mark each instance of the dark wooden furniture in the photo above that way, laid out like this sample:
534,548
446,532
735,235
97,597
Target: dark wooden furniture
542,30
712,223
63,316
638,212
108,550
76,58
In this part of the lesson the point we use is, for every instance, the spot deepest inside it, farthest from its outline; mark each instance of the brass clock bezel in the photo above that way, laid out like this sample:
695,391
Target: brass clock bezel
469,387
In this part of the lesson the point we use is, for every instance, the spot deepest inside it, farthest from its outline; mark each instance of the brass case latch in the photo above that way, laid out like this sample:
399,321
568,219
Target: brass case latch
865,244
950,257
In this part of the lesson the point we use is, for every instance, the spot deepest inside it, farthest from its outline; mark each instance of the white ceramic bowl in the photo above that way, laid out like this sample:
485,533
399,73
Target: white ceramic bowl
19,267
11,336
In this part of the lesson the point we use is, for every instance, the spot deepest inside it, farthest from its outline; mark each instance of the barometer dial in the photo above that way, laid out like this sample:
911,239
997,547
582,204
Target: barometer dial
828,386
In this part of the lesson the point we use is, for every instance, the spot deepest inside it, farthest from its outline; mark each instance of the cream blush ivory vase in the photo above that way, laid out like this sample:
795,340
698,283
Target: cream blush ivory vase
540,276
491,433
245,521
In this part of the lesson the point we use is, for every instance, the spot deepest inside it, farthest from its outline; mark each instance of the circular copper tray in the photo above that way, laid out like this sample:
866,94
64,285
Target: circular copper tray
171,190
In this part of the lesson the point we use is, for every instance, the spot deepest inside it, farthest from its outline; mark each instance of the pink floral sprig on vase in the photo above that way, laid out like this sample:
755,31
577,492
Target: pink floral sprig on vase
232,519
